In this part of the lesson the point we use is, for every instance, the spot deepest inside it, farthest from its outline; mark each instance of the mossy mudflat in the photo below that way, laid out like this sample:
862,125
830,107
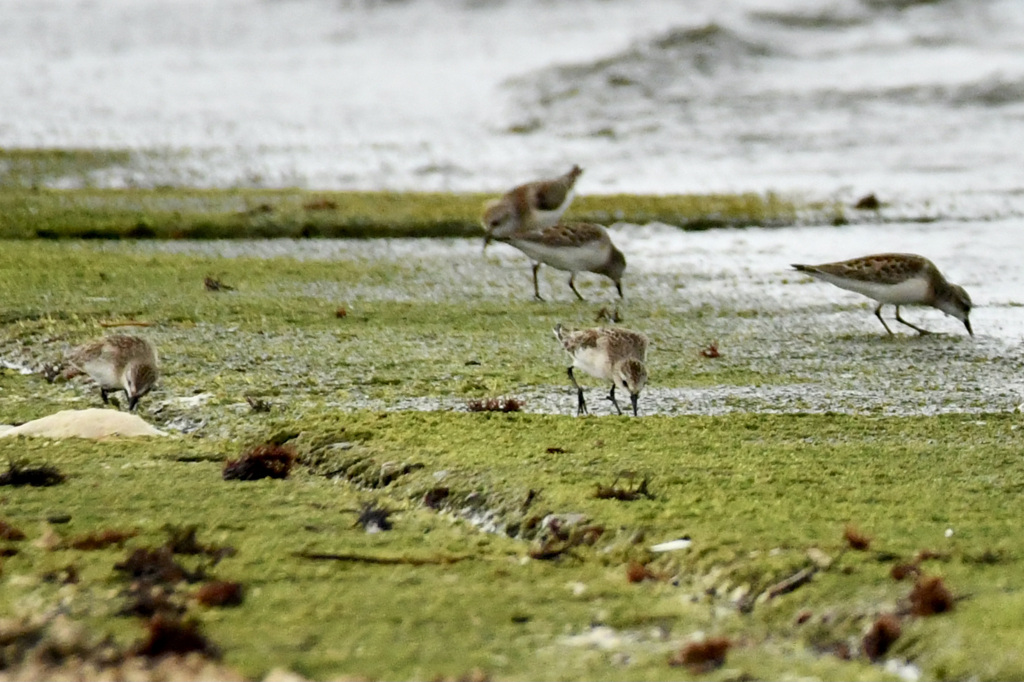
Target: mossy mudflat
36,202
436,596
336,344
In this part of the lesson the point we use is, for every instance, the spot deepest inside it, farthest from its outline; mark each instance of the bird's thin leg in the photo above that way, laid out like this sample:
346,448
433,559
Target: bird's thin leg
103,394
536,289
611,397
912,326
878,314
572,285
581,407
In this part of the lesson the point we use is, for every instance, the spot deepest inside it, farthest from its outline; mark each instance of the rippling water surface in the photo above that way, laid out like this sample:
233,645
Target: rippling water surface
920,102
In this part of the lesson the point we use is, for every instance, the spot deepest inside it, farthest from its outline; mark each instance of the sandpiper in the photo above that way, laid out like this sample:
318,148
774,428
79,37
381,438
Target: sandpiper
574,247
117,363
613,354
897,279
533,206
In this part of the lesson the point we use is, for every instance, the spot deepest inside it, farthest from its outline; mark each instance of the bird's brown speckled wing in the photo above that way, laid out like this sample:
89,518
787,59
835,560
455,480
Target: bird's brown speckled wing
883,268
575,339
552,193
626,343
567,235
86,353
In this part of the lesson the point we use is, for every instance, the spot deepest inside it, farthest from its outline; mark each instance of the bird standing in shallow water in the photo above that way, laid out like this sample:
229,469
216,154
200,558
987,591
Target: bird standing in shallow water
897,279
529,207
117,363
575,247
613,354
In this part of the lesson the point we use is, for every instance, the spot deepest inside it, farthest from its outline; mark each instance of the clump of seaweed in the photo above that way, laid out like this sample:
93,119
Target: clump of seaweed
214,284
560,534
157,566
435,497
703,656
9,532
374,519
258,404
855,539
495,405
711,351
166,635
220,593
883,634
18,474
182,540
263,461
930,596
623,493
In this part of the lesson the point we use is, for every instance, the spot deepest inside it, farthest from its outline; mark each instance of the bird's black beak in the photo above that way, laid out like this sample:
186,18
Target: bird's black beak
618,287
967,323
132,402
633,398
487,240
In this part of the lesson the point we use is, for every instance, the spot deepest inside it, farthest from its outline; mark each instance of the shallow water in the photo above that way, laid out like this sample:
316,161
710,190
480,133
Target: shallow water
921,102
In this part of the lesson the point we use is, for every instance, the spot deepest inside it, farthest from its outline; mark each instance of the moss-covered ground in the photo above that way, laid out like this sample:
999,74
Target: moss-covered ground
35,202
503,561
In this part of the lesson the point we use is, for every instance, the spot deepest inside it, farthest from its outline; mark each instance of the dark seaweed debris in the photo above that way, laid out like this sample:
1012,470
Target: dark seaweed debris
263,461
220,593
702,657
18,474
166,635
374,519
495,405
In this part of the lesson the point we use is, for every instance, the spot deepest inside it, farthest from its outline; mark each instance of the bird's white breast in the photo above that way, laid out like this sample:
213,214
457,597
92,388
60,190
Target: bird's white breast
572,258
103,373
594,362
913,290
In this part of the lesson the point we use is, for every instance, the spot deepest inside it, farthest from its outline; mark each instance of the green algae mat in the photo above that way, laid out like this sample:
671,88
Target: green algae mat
435,509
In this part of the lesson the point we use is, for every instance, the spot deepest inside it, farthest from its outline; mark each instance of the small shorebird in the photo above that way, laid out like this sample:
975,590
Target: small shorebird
117,363
574,247
613,354
526,208
897,279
